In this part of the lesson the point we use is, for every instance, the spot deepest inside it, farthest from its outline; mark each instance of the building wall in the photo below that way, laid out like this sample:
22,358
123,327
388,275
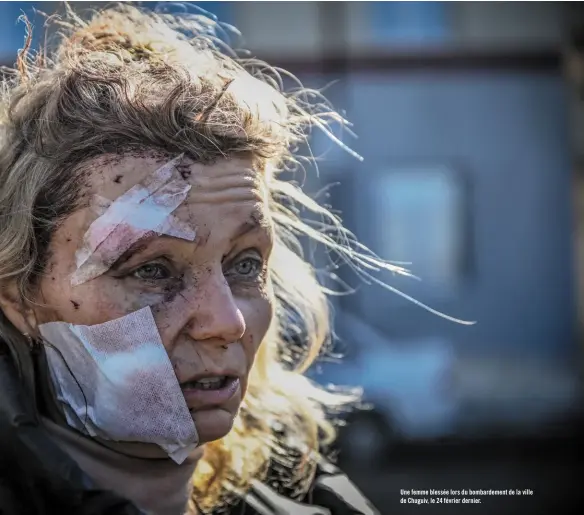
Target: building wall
506,137
287,28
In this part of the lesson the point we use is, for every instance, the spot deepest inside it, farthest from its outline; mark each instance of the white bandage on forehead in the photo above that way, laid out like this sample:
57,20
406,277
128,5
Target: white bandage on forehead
115,381
144,208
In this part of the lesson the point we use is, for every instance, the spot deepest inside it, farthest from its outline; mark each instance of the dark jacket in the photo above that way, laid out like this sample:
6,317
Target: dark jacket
38,478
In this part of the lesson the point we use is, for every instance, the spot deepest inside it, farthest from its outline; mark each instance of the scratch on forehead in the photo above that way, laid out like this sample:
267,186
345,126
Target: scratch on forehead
144,208
257,219
260,217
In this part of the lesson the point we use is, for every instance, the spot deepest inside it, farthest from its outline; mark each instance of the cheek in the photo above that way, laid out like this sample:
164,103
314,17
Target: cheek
258,315
58,301
95,302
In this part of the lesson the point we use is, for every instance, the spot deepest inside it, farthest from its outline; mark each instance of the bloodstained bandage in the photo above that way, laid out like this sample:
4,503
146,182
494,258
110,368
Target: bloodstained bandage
144,208
115,381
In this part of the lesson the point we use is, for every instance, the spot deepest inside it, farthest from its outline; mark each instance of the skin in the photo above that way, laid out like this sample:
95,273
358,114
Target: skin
211,298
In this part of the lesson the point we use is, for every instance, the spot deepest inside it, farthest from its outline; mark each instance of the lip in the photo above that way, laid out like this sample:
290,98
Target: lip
196,398
209,375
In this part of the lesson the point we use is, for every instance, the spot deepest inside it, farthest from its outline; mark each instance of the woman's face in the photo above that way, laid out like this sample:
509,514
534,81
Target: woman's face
210,298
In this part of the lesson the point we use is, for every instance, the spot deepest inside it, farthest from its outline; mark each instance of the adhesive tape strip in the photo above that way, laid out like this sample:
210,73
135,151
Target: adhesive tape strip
144,208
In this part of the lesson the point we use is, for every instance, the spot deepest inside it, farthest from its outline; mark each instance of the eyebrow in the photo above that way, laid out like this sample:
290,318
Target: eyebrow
137,247
253,223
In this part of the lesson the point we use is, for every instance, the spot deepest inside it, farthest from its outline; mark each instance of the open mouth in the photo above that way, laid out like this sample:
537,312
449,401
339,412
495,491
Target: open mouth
208,383
210,391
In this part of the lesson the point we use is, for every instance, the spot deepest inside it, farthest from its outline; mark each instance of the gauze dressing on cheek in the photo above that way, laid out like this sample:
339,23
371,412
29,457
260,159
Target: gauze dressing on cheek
115,381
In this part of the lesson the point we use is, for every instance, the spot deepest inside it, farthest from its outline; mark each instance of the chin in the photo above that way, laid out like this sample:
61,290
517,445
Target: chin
213,424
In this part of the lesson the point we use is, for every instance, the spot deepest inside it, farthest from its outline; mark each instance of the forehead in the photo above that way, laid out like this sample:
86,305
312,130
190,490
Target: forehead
133,196
110,176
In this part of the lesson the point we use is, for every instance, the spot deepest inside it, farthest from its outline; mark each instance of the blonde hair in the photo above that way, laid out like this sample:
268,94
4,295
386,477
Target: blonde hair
135,79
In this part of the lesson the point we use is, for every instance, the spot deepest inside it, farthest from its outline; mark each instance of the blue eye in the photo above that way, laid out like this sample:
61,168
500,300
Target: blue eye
152,272
248,267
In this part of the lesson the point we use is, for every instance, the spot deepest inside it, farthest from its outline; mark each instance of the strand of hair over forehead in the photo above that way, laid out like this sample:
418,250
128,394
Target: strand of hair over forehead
308,109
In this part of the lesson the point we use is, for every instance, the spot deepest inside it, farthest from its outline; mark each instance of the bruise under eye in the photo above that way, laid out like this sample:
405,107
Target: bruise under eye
158,277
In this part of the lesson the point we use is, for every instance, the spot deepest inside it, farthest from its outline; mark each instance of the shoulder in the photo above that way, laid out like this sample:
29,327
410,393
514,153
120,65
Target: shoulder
335,490
331,493
36,476
16,489
46,488
296,485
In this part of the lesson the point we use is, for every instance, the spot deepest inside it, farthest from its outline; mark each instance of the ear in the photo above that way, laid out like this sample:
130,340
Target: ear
21,315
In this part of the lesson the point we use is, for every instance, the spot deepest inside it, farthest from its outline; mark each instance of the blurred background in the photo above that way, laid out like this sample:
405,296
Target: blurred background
470,117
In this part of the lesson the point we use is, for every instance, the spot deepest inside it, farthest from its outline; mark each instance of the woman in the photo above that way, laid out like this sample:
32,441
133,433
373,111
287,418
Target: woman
149,263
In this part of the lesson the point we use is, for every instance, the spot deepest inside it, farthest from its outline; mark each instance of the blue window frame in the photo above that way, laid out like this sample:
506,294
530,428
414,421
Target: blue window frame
421,214
223,11
410,23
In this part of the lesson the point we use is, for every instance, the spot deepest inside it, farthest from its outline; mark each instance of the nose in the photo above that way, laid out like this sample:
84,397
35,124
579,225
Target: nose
215,314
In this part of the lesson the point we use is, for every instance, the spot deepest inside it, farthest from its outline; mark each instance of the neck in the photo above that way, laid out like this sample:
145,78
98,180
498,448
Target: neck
156,485
141,473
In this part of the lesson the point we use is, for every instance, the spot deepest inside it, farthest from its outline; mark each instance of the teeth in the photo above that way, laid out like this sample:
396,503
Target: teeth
208,383
210,380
